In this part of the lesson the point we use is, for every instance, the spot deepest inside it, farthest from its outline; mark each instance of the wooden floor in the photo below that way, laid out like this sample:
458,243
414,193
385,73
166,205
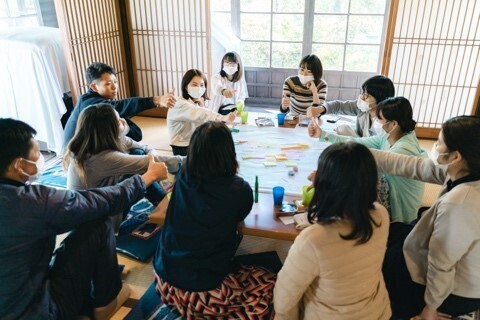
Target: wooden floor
140,275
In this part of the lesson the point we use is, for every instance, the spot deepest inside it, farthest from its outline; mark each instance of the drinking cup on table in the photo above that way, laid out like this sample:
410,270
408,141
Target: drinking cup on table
244,116
281,119
278,195
239,107
307,195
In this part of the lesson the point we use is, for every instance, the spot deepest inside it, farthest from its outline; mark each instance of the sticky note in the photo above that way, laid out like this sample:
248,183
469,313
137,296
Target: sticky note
270,164
290,163
281,157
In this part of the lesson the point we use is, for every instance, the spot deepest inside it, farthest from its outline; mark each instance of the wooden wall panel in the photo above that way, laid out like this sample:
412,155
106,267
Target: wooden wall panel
167,38
91,32
431,54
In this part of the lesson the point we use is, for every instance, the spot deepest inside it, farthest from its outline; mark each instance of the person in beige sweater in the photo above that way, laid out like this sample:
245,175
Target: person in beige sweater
437,273
333,269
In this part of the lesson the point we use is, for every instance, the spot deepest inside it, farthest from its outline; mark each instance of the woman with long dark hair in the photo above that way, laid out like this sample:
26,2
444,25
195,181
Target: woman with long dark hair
333,269
433,270
194,264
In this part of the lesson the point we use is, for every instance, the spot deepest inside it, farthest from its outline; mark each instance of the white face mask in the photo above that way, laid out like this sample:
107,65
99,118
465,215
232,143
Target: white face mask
305,79
434,154
363,105
40,164
230,70
195,92
378,128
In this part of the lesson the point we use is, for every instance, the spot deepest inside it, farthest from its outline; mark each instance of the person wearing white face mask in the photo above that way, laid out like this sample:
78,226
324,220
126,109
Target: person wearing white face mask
189,112
80,279
431,269
373,91
306,90
396,134
228,86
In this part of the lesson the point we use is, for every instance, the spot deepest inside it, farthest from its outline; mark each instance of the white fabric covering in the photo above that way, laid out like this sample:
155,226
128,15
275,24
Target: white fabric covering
33,79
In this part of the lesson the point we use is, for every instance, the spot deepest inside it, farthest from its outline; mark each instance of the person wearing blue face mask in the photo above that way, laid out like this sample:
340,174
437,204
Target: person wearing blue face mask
431,269
373,91
81,277
189,112
395,133
305,90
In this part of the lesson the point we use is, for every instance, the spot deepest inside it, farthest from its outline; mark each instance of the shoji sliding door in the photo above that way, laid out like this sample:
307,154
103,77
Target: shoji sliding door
91,31
165,39
168,37
431,54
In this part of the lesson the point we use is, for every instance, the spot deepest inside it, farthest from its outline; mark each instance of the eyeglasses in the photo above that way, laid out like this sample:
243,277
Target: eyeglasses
364,95
230,64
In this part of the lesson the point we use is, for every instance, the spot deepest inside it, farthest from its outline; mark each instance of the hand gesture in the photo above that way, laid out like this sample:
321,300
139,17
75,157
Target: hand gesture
230,118
156,171
431,314
314,130
285,102
311,85
200,101
168,100
227,93
314,111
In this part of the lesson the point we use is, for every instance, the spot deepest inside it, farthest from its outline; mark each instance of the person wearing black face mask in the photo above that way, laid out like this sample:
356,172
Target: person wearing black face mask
432,270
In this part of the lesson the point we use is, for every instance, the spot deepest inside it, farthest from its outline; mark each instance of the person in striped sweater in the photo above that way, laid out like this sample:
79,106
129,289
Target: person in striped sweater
305,90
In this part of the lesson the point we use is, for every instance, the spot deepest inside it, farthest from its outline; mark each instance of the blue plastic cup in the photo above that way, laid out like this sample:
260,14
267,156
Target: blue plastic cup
278,195
281,119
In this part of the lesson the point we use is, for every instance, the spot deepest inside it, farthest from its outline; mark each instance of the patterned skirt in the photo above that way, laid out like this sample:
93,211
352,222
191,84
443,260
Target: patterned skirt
246,294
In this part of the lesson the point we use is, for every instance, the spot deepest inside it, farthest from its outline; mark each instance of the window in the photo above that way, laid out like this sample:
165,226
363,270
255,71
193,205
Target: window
14,13
347,35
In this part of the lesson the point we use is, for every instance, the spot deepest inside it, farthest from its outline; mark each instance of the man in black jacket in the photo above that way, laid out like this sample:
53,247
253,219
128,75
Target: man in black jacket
81,277
103,88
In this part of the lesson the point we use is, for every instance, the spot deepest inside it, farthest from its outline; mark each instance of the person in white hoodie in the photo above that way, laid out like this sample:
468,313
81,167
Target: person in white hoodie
189,112
228,86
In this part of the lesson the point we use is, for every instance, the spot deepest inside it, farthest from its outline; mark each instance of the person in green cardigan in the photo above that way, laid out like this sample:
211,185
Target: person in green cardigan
395,133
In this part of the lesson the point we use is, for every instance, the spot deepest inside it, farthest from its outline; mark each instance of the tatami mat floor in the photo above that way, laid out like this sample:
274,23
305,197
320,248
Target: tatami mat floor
140,275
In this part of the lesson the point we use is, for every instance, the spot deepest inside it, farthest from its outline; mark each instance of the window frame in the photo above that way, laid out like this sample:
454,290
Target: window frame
308,23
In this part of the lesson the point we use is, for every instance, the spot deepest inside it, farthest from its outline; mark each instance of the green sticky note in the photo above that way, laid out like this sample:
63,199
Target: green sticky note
270,164
290,163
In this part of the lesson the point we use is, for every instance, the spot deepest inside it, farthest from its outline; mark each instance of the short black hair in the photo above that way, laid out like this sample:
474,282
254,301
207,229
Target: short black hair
379,87
462,134
187,77
211,152
345,188
15,142
96,70
312,63
398,109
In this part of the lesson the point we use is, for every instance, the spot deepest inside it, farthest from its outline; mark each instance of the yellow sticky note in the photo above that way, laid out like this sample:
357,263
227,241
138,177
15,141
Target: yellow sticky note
281,157
270,164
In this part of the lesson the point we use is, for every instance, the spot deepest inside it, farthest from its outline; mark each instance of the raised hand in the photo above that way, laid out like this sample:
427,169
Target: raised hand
156,171
228,93
285,101
314,130
166,101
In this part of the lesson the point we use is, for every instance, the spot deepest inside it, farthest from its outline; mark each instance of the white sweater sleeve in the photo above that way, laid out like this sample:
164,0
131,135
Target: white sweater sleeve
298,272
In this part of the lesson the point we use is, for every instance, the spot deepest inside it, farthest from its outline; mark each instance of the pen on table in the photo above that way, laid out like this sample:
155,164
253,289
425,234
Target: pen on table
256,189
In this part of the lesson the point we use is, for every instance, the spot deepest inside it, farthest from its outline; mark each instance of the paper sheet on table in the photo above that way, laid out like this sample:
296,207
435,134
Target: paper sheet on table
287,220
